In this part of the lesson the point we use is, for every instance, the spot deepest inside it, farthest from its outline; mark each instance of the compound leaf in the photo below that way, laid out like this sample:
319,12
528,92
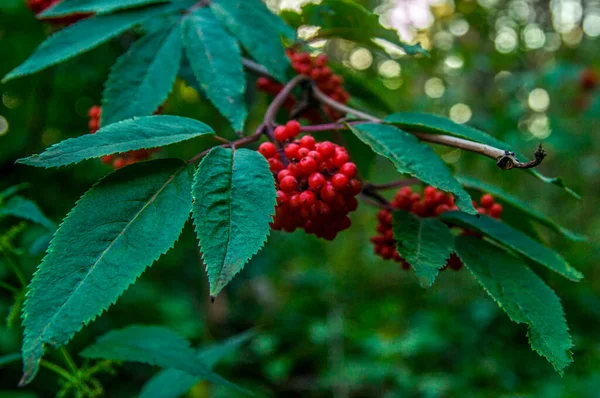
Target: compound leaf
117,229
142,78
522,295
66,7
20,207
128,135
216,61
234,202
514,240
411,157
425,243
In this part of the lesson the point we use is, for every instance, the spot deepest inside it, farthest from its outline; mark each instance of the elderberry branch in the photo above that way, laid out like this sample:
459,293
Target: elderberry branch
256,68
232,144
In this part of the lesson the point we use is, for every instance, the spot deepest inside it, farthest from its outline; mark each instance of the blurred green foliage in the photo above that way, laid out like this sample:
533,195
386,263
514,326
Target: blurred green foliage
333,319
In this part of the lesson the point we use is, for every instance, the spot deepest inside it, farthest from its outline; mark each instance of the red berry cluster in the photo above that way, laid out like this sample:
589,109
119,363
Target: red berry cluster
123,159
38,6
317,189
432,203
316,68
589,79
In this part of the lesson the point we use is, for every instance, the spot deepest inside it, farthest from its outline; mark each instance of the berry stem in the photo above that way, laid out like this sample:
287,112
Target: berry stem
394,184
256,68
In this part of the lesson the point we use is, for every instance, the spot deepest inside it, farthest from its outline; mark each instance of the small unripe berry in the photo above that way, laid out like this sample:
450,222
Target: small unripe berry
267,149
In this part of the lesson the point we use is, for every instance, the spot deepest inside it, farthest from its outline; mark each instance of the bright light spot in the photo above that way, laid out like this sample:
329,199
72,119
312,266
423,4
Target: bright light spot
553,42
361,58
452,156
506,40
308,32
566,15
460,113
573,37
533,36
10,101
443,40
539,100
502,76
520,10
539,126
393,84
434,87
188,93
3,126
459,27
487,3
295,5
389,68
591,25
454,62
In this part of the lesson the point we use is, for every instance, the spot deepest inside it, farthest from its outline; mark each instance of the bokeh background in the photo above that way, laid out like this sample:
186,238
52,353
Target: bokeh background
333,319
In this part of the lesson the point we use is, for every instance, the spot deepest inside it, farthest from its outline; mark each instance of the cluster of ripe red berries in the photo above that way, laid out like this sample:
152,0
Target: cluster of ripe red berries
120,160
38,6
317,186
432,203
316,68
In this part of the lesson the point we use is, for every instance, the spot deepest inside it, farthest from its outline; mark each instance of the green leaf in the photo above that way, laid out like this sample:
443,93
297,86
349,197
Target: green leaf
434,124
153,345
81,37
216,61
515,240
521,206
234,201
9,358
257,29
425,243
173,383
522,295
142,78
128,135
19,207
117,229
66,7
411,157
10,191
349,20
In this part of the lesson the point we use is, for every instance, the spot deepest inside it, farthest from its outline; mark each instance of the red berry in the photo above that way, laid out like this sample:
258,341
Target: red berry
326,72
267,149
307,198
355,187
293,128
295,200
291,151
263,83
486,201
307,165
441,209
315,155
340,158
283,173
316,181
348,169
281,197
94,125
496,210
95,112
288,183
275,165
307,141
326,149
339,180
429,191
321,60
328,193
281,133
119,163
107,159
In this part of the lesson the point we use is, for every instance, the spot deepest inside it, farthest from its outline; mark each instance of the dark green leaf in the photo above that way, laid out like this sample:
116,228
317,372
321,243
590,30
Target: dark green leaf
411,157
257,29
153,345
515,240
217,64
234,201
19,207
433,124
10,358
349,20
81,37
522,295
66,7
425,243
521,206
116,230
142,78
10,191
172,383
128,135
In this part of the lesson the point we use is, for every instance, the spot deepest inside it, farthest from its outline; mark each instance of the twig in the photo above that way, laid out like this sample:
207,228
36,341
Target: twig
394,184
256,68
237,143
366,199
280,98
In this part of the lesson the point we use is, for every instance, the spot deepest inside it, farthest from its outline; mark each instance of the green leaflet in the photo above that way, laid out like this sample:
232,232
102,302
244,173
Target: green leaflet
142,78
257,29
173,383
425,243
81,37
9,358
234,201
66,7
10,191
216,61
117,229
434,124
522,295
349,20
521,206
515,240
411,157
153,345
18,206
128,135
